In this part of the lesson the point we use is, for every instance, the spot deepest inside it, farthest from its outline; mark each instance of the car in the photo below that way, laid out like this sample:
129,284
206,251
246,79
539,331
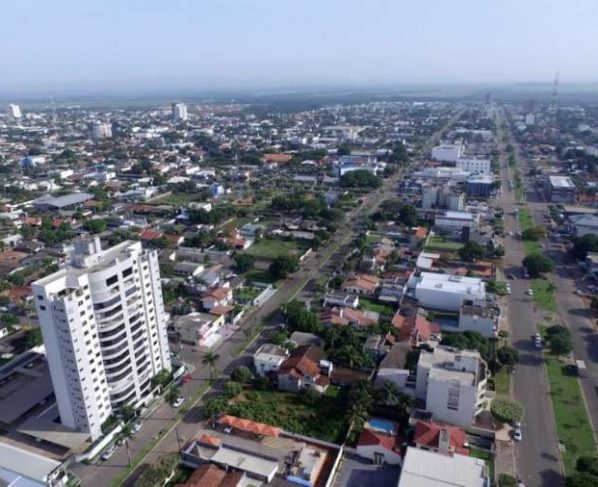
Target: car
135,427
517,425
108,453
537,336
538,344
525,273
517,436
529,292
178,401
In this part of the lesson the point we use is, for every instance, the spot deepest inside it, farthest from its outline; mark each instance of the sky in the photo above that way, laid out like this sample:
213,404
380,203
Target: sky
144,45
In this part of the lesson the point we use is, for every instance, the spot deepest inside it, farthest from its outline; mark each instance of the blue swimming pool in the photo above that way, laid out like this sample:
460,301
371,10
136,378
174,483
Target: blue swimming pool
382,425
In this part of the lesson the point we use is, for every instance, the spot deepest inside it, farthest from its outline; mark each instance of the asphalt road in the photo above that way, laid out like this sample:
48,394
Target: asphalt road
537,455
159,422
574,312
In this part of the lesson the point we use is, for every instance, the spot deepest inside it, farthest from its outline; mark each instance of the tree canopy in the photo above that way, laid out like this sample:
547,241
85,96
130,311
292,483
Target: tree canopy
538,264
506,410
283,265
471,251
583,245
360,178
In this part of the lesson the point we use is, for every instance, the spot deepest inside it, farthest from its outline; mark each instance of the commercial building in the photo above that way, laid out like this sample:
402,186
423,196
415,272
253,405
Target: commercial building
561,189
104,327
452,383
453,221
584,225
474,166
445,291
100,130
22,468
444,196
179,112
479,186
447,152
56,203
14,111
426,468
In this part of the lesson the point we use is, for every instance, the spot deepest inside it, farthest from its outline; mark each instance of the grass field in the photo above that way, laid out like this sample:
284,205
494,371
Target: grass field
502,380
573,426
247,293
438,243
177,199
525,219
484,455
371,305
259,276
543,295
270,248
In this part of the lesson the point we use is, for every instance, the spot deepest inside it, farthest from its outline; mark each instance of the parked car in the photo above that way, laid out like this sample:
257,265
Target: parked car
529,292
108,453
178,401
517,434
135,427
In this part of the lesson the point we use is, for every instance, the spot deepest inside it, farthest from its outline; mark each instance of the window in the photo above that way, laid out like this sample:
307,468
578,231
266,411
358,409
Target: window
453,398
128,272
112,280
42,307
40,297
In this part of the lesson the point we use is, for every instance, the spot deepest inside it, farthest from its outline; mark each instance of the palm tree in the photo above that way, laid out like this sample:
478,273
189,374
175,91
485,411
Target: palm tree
405,402
388,393
125,434
173,394
210,359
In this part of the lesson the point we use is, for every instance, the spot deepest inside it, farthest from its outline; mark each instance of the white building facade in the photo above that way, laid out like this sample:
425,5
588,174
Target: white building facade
474,166
179,112
101,130
445,291
104,327
447,152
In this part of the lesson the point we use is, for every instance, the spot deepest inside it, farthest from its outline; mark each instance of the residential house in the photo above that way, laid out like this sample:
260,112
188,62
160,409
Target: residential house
342,300
269,358
479,316
379,442
217,296
306,368
412,326
361,284
440,438
393,368
349,316
187,269
199,329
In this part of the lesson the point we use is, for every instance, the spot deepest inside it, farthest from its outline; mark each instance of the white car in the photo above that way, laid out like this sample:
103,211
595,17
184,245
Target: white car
178,401
108,453
135,427
530,292
517,434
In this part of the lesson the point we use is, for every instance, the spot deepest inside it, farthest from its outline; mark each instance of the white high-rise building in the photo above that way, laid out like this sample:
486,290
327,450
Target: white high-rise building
179,112
104,327
101,130
14,111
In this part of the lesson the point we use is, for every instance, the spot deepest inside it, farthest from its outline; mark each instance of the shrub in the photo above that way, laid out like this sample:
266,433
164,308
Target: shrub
506,411
242,374
506,480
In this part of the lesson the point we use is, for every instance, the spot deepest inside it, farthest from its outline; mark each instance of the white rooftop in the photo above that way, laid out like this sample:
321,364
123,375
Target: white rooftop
561,182
423,468
20,467
451,282
458,215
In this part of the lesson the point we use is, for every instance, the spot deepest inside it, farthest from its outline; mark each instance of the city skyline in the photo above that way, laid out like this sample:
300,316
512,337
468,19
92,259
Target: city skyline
147,46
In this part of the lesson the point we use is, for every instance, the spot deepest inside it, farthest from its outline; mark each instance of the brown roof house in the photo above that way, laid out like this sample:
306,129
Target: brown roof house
306,368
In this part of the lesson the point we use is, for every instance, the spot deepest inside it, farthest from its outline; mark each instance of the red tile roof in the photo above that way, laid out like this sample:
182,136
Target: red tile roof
427,433
150,235
373,438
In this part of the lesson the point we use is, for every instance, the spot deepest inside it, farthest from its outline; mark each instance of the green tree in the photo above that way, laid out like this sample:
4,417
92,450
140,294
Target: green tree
582,479
583,245
408,216
95,225
508,356
210,359
533,233
213,407
388,393
33,337
538,264
173,394
360,179
587,464
471,251
506,410
283,265
506,480
242,374
232,389
127,412
244,262
125,434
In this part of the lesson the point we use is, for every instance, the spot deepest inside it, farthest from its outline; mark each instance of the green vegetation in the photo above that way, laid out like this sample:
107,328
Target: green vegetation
506,410
538,264
437,243
485,455
259,276
376,306
247,294
325,418
502,380
506,480
543,294
471,251
270,248
360,179
283,266
156,475
572,423
560,340
468,340
178,199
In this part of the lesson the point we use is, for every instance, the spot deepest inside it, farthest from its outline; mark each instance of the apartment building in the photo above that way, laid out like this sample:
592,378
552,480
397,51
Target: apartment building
104,327
452,383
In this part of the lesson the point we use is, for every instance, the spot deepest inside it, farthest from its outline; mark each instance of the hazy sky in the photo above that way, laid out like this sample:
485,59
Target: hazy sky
156,44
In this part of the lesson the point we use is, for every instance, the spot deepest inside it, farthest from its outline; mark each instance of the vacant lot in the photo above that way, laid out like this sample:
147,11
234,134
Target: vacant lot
270,248
438,243
325,418
259,276
573,426
372,305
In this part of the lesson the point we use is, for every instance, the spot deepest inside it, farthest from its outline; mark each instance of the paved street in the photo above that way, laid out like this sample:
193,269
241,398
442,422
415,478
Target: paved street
538,459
